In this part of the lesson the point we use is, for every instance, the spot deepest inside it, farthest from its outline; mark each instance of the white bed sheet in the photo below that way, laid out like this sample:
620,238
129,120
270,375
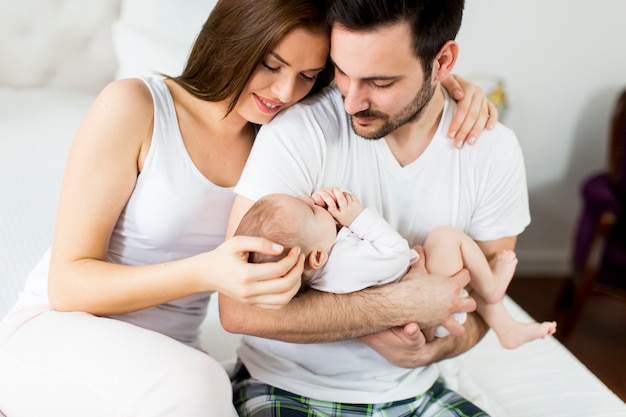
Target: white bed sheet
37,126
36,130
540,378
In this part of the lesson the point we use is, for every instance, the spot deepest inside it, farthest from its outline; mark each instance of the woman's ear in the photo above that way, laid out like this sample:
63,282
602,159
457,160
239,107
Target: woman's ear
318,258
445,60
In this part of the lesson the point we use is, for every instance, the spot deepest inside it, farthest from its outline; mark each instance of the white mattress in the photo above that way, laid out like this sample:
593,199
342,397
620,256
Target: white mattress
36,129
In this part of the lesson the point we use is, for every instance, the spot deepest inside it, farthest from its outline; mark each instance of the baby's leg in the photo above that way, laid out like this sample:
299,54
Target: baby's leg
447,248
510,332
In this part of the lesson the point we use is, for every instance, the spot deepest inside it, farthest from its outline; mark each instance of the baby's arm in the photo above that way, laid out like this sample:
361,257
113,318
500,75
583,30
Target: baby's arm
367,252
342,205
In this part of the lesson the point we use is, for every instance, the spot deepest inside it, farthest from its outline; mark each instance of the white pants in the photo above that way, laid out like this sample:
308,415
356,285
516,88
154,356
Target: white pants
76,364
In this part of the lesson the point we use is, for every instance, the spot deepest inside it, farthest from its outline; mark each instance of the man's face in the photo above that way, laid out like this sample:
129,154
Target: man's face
382,82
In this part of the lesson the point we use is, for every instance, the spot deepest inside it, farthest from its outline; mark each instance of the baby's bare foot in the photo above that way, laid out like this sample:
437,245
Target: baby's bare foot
525,332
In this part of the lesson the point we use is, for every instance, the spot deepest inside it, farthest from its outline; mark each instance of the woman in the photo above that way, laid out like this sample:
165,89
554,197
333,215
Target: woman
142,215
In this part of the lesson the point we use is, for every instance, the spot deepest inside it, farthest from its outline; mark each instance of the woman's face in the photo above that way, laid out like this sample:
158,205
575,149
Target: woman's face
285,76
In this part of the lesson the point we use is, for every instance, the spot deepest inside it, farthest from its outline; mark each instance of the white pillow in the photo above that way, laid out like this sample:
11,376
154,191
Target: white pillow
154,36
64,43
140,54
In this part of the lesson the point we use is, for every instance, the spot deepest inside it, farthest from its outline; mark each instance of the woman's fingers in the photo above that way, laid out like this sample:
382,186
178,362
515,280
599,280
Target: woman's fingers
276,283
268,283
474,112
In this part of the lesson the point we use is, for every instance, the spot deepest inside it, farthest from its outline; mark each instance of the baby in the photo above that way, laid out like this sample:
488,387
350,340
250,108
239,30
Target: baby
348,248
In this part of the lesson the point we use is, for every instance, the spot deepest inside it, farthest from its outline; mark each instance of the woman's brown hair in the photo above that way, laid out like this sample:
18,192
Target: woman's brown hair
238,36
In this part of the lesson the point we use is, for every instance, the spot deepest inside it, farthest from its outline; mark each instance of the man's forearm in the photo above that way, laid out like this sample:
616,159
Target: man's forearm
315,316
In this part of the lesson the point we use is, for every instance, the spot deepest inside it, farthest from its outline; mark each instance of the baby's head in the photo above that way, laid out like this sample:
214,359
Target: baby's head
290,221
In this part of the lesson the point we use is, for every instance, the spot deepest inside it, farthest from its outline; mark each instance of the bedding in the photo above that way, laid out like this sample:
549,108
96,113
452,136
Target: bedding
41,108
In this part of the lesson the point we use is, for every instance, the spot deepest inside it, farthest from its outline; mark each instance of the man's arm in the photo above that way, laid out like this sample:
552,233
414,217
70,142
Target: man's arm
315,316
492,247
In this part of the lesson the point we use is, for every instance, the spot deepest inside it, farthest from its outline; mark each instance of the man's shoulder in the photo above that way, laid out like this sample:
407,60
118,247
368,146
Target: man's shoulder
500,138
323,110
328,95
327,102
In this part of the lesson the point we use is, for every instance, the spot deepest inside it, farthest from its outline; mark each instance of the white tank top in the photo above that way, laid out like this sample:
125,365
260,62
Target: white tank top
174,212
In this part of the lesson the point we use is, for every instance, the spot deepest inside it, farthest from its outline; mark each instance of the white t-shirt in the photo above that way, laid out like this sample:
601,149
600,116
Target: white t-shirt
480,189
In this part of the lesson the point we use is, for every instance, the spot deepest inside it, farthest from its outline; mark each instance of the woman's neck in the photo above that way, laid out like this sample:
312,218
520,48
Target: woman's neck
219,146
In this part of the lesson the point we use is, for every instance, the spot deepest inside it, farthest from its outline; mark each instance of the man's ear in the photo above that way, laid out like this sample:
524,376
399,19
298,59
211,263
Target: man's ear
318,258
445,60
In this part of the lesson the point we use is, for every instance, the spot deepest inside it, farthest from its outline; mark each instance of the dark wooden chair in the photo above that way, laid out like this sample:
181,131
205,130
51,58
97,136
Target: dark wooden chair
599,256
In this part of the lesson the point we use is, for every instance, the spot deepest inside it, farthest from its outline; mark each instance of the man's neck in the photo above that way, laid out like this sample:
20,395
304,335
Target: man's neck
409,141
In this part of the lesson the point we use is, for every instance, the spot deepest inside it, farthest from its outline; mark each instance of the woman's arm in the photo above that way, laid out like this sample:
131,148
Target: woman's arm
101,172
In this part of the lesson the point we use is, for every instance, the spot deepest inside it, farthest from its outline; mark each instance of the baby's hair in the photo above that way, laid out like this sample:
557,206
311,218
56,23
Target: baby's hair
271,219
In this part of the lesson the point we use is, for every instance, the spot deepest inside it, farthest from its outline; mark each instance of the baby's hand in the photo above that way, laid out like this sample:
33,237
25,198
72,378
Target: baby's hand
342,205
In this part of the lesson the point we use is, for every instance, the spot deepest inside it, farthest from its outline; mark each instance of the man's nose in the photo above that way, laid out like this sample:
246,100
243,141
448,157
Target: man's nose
355,99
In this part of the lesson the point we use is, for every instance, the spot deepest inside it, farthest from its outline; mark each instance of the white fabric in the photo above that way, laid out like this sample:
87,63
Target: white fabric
540,378
75,364
156,36
368,252
37,126
57,43
480,189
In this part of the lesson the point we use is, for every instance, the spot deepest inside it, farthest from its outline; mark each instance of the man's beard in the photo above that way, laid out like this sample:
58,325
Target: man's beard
412,112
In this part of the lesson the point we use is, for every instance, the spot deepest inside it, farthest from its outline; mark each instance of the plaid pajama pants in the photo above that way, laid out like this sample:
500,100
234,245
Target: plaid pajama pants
253,398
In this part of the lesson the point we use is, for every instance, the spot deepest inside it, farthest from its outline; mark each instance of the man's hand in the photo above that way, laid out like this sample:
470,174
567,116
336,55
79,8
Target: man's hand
409,346
401,346
406,347
436,297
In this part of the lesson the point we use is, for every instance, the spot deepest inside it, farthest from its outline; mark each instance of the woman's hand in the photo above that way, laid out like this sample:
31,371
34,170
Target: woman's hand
266,285
474,111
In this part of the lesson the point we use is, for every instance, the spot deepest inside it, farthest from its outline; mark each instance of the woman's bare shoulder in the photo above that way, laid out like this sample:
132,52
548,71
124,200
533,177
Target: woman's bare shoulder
130,96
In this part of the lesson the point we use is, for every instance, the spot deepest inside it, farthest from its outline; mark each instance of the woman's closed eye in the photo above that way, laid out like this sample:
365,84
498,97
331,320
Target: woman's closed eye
275,70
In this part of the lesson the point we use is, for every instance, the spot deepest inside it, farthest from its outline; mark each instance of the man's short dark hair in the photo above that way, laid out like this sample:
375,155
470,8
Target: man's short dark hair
433,22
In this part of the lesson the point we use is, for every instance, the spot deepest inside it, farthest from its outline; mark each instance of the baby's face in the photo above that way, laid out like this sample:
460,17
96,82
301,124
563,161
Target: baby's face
319,223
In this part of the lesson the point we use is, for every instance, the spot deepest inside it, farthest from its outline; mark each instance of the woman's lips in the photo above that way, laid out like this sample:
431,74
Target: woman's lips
267,106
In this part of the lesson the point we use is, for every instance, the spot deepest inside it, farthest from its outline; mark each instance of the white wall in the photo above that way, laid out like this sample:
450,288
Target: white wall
563,63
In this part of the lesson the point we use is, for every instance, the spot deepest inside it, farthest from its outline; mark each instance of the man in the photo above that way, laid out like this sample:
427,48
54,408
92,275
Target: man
390,149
